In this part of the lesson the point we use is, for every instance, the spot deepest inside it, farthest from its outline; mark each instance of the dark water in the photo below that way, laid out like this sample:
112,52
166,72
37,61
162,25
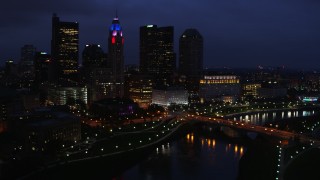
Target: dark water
194,156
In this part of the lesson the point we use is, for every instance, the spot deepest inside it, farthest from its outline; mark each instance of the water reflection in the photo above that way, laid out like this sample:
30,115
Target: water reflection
195,156
263,117
210,144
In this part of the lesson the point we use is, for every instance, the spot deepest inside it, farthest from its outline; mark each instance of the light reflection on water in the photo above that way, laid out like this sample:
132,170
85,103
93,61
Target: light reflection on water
262,118
210,144
191,157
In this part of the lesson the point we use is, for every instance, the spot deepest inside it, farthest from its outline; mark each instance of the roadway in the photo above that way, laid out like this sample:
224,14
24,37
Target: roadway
286,135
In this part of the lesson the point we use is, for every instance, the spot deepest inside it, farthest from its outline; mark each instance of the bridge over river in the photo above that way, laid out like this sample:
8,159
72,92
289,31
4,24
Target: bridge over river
285,135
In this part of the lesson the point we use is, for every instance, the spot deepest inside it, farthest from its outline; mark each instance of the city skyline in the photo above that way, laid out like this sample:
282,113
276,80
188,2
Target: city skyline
236,34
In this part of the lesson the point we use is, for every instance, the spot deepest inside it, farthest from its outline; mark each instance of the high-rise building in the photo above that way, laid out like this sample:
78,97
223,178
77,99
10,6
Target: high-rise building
27,55
10,68
93,55
95,72
26,68
64,49
42,61
190,53
157,57
115,57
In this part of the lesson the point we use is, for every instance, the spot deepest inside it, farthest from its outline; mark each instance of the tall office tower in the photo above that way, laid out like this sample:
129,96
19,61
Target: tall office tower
190,53
94,72
93,55
41,67
156,53
191,61
26,68
64,49
115,57
27,55
10,68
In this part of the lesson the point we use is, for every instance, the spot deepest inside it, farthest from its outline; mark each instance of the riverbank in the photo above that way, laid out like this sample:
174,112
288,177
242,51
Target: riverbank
109,164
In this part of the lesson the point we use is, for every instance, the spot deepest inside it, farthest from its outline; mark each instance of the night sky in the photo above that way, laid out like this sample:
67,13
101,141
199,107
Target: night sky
237,33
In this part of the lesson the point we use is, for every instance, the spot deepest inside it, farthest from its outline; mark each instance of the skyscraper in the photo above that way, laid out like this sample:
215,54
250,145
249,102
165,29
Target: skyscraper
93,55
95,72
157,57
190,53
26,68
64,49
115,57
27,55
41,66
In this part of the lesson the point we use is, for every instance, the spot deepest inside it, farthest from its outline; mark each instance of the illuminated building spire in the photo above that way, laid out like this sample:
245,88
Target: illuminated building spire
115,55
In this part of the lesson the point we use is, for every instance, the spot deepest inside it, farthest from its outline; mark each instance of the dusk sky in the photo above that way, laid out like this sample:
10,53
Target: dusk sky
237,33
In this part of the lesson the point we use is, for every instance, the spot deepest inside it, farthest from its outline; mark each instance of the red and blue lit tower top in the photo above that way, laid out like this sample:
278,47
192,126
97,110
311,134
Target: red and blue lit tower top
115,31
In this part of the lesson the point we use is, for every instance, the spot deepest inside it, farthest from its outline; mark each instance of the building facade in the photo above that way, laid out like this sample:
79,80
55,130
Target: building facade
272,92
61,95
46,129
214,87
64,49
42,62
26,68
140,89
250,89
177,96
191,53
27,55
157,57
93,56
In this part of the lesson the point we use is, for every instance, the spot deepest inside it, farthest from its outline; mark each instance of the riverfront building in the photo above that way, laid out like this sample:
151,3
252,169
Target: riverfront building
214,87
45,128
250,89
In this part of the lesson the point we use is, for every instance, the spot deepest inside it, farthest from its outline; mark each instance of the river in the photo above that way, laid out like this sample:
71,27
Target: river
199,155
194,156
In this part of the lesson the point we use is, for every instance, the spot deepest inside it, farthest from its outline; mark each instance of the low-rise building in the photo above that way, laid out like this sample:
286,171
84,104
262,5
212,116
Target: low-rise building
140,89
214,87
170,96
60,95
250,89
45,128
